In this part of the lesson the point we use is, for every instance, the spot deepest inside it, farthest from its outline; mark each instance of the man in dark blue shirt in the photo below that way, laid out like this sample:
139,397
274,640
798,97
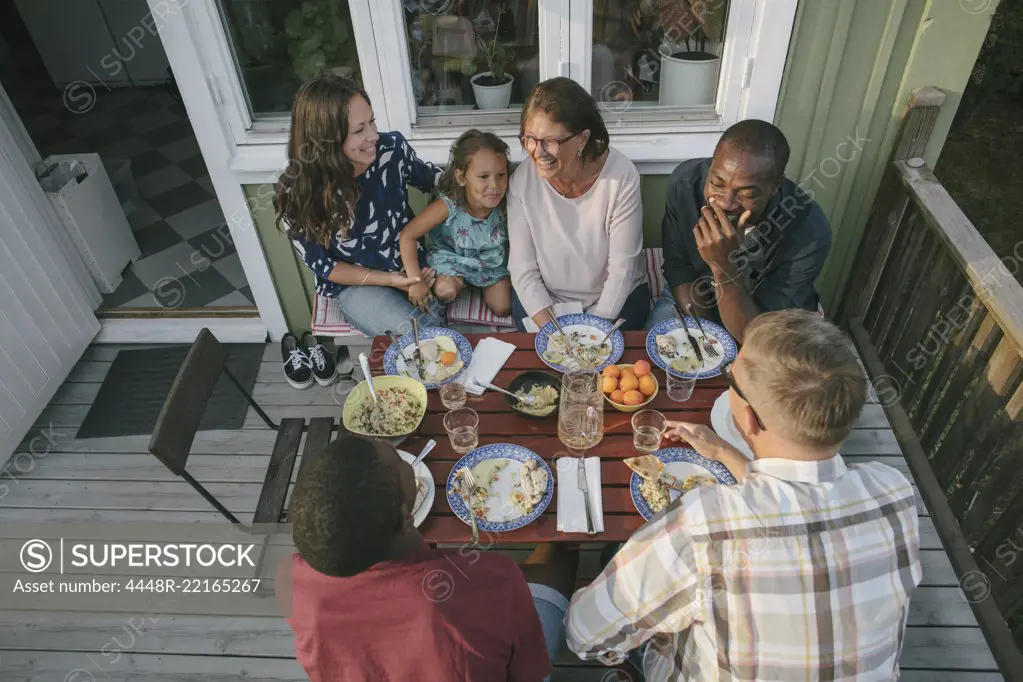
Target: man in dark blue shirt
739,238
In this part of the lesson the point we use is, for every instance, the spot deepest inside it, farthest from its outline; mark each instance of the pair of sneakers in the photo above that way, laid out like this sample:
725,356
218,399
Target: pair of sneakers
307,361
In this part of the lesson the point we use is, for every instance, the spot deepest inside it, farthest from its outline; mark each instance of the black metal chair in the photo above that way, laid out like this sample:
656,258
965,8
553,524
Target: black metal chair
182,411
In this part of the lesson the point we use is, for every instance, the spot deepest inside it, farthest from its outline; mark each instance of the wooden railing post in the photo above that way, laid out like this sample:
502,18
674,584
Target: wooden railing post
889,206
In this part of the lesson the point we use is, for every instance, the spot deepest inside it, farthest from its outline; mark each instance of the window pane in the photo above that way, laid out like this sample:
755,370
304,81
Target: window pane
657,52
278,44
472,55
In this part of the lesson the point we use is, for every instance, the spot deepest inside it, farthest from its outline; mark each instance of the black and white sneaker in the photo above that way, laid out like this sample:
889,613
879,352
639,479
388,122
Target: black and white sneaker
298,367
323,364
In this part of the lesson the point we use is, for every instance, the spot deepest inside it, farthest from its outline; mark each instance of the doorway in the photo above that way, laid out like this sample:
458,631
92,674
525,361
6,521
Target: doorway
84,76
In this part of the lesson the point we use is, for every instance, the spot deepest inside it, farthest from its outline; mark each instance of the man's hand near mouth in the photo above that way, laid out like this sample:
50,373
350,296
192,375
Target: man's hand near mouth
716,238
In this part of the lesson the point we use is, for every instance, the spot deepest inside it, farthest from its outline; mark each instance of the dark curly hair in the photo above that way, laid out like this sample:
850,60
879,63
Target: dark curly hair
317,191
346,508
462,151
568,103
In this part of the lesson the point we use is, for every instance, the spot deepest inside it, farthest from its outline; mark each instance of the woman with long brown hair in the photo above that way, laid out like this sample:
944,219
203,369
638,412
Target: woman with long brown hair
575,221
343,200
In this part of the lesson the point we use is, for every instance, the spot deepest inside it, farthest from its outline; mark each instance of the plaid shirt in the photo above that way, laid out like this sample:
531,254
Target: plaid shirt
801,572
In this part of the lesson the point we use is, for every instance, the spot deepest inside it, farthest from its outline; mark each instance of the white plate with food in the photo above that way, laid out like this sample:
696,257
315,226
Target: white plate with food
649,491
724,425
425,489
445,354
585,333
517,486
669,348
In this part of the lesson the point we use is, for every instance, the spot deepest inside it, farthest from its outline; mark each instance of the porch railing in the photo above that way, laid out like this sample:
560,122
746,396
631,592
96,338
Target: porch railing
938,319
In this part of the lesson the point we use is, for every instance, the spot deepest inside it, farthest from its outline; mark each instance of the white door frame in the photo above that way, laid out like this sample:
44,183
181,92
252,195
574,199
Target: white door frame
198,91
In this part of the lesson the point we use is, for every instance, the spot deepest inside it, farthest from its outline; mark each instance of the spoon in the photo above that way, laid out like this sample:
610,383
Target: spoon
529,399
430,445
618,323
364,362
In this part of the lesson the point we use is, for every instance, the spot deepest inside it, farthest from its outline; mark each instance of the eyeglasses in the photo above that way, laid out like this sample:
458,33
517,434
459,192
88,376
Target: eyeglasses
730,378
550,145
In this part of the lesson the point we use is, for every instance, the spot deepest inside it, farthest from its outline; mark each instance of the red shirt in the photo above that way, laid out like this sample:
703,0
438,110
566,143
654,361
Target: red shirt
435,616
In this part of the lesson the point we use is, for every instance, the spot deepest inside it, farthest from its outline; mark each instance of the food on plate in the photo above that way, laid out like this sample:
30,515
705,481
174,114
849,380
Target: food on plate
656,494
440,360
546,400
666,345
647,466
532,486
693,481
420,493
588,354
628,388
430,350
449,358
398,413
686,364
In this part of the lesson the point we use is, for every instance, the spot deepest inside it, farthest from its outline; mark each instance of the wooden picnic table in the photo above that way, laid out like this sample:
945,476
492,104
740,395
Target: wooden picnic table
499,424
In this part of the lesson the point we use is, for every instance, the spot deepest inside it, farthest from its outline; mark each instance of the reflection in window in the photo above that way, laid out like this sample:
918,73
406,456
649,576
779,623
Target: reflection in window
657,52
472,54
278,44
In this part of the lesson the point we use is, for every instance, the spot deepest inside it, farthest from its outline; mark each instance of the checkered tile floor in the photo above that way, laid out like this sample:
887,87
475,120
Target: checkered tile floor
188,258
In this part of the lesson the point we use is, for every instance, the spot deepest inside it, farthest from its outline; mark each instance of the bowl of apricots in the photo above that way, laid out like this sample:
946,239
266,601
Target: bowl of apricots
629,388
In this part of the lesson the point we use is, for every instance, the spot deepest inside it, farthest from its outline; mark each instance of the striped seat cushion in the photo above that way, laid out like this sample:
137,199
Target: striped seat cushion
328,320
469,308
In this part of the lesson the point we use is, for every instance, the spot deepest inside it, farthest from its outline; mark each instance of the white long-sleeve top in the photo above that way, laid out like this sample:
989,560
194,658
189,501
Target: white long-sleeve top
586,249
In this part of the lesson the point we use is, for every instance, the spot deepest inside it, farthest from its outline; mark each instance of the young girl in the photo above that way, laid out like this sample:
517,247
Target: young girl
343,200
467,225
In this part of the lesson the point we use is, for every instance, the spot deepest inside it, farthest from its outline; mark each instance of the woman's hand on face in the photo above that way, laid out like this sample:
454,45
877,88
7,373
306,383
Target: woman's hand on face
419,296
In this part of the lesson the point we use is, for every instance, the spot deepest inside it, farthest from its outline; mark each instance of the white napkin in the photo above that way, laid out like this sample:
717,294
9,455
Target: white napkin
567,308
487,360
571,512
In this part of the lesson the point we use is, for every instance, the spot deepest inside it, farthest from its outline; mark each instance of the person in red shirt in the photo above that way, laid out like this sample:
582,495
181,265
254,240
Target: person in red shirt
368,599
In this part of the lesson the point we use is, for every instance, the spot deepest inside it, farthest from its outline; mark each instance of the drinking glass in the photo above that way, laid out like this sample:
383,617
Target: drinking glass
680,389
648,427
452,394
462,426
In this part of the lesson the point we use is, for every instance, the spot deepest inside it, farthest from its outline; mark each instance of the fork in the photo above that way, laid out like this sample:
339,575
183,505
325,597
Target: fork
572,349
470,488
705,341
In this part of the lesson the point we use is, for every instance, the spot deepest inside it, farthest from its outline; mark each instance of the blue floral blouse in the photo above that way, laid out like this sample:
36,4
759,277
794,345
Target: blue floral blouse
381,213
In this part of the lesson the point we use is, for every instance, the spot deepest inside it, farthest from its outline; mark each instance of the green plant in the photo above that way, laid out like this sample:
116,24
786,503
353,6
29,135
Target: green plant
320,36
493,56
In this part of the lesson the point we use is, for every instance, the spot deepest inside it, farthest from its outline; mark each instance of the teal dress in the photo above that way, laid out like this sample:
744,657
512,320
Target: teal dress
474,249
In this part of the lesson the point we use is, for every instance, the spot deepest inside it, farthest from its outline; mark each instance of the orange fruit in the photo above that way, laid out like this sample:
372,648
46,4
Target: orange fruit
641,368
647,385
612,371
633,398
618,397
629,383
449,358
627,370
609,384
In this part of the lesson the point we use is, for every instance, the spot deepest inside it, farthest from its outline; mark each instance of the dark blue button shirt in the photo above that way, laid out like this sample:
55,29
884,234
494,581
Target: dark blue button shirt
380,215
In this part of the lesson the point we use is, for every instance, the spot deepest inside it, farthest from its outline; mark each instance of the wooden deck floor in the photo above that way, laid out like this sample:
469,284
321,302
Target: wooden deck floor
116,480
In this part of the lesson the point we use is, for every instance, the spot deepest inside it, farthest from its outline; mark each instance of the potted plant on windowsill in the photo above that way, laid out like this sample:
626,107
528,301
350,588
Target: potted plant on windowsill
493,87
690,50
320,39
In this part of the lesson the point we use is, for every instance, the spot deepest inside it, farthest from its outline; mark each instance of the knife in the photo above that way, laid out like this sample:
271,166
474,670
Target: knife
415,351
584,486
692,341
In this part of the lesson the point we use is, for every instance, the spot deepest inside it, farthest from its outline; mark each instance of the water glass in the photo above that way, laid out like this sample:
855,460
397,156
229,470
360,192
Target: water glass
462,426
452,395
680,389
648,427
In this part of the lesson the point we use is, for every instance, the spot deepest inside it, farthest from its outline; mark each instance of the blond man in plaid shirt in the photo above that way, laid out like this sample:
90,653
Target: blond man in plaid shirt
802,571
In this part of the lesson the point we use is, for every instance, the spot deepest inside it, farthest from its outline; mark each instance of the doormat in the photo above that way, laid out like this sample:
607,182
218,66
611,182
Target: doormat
135,388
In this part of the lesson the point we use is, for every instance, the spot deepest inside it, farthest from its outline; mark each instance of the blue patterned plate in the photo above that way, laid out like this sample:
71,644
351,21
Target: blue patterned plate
591,328
394,362
680,463
501,514
672,327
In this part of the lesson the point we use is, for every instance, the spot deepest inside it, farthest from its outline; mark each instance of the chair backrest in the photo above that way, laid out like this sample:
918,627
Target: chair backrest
189,394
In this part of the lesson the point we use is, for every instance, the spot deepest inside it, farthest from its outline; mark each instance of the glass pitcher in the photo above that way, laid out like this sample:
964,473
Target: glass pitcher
581,414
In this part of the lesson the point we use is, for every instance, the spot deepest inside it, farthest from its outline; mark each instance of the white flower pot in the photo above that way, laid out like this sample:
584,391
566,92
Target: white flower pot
688,81
492,96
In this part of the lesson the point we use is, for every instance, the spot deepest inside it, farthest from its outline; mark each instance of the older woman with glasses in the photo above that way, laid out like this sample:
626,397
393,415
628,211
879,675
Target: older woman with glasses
575,221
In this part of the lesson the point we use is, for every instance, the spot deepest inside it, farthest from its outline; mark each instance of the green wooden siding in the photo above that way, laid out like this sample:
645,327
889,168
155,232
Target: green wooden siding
851,66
